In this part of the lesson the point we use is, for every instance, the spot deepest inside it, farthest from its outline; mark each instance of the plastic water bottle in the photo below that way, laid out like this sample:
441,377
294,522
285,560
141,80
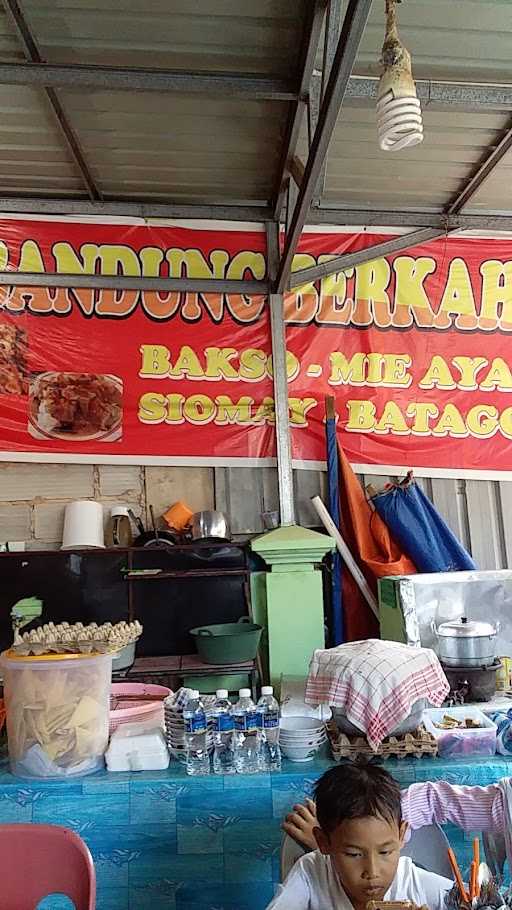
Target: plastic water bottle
196,727
247,740
222,726
269,718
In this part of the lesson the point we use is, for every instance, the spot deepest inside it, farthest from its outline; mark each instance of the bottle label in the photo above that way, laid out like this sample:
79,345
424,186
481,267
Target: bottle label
223,723
196,724
248,723
270,720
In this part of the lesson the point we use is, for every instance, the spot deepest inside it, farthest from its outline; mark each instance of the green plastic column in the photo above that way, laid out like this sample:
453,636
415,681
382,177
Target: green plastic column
293,601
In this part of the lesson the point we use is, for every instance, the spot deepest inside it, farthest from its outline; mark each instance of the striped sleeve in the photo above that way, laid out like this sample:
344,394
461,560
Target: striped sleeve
471,808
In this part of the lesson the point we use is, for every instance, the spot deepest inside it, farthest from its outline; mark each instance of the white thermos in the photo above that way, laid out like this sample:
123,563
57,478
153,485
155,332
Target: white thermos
83,525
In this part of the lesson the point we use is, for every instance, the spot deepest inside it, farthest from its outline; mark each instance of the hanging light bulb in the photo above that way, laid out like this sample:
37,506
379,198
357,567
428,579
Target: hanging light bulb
399,120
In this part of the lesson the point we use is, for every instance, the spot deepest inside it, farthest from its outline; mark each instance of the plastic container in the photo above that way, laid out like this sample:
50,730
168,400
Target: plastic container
125,658
269,717
178,516
246,737
118,532
228,643
196,735
504,674
57,713
222,726
83,525
133,749
459,742
125,708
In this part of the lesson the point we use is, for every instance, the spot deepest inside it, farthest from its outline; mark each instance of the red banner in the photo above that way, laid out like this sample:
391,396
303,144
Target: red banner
415,348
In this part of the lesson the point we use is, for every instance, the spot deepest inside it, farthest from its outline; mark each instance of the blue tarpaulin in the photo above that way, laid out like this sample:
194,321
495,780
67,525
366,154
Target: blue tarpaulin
420,530
334,509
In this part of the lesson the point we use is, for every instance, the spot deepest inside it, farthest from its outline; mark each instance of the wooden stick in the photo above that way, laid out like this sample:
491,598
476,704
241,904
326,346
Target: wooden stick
476,860
330,407
458,876
351,564
472,882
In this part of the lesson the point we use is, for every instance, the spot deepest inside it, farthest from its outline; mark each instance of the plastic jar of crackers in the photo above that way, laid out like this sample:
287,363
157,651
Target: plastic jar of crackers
57,713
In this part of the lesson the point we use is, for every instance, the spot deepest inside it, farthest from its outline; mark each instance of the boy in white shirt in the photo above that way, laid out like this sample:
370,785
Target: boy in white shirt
359,837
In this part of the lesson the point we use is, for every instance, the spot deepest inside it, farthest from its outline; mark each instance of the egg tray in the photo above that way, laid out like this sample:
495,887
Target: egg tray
407,745
76,638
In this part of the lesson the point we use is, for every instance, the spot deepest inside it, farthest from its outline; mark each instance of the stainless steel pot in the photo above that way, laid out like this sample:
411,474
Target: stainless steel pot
210,524
408,725
466,643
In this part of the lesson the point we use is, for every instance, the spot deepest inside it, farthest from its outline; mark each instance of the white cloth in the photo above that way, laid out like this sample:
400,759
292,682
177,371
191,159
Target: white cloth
376,683
313,884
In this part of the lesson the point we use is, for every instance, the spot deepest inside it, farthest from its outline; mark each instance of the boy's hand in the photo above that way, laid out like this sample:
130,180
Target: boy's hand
299,824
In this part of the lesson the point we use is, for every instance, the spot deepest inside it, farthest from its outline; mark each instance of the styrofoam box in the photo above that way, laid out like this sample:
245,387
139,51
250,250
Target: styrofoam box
459,743
135,749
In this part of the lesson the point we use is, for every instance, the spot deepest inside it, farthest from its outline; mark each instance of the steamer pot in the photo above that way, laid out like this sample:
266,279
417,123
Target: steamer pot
466,643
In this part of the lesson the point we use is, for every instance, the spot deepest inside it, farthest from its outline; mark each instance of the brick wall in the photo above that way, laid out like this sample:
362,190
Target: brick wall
33,497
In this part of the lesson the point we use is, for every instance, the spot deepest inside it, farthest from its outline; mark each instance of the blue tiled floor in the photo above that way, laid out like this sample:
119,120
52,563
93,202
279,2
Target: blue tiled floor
163,840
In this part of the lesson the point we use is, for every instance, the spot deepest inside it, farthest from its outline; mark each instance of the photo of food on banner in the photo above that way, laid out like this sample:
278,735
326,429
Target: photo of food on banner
13,359
78,406
71,406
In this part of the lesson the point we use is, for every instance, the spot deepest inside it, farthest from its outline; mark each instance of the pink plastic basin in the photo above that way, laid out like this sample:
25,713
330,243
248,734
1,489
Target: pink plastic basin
132,711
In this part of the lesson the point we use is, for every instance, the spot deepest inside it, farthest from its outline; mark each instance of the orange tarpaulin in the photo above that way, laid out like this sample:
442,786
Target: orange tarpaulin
372,546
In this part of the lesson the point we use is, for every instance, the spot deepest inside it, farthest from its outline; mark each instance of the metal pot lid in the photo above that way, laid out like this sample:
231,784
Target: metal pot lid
466,628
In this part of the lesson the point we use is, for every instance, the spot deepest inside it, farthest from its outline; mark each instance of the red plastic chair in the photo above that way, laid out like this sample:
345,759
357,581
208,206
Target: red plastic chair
37,860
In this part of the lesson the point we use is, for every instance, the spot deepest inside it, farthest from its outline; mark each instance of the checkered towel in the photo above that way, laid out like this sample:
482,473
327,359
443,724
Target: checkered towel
376,683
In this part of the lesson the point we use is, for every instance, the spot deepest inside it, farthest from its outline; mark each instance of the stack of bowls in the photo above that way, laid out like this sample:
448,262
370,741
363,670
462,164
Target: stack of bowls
300,738
175,730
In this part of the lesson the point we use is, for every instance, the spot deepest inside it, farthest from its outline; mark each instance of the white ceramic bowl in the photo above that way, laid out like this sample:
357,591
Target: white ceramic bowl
302,734
301,724
304,747
302,737
297,740
297,754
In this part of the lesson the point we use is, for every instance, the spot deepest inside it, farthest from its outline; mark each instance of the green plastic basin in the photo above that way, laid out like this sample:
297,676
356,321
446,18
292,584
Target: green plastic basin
227,643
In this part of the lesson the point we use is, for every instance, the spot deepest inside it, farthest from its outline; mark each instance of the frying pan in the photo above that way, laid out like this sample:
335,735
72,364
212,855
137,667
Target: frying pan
155,538
148,540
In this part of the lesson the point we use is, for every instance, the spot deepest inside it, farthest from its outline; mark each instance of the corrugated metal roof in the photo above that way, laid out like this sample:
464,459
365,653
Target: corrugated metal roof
151,145
188,148
223,36
33,158
429,175
10,49
159,145
496,192
468,40
449,40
